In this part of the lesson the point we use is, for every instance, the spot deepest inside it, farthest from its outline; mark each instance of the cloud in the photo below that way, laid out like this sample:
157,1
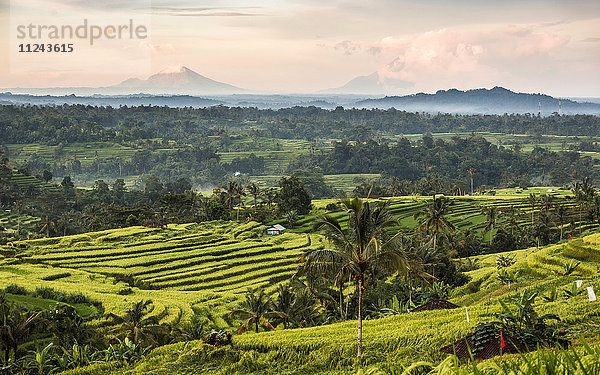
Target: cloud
555,23
104,4
446,57
348,47
207,11
591,40
159,49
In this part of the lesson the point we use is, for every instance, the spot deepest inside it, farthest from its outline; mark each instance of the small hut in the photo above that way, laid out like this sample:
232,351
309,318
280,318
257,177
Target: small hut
437,304
490,349
276,229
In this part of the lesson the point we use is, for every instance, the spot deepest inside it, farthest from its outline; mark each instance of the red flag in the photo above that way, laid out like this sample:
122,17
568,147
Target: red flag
502,344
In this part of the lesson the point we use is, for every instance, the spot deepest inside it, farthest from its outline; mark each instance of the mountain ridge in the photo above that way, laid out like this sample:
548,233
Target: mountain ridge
497,100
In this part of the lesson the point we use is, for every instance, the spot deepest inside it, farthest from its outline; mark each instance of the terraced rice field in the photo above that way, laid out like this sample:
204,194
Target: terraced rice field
465,213
86,153
27,183
212,264
11,221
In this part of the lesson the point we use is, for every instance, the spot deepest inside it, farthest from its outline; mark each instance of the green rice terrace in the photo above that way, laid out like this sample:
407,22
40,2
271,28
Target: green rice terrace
178,267
210,266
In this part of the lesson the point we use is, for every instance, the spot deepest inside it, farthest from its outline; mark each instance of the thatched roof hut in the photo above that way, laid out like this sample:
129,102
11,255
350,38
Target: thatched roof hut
491,349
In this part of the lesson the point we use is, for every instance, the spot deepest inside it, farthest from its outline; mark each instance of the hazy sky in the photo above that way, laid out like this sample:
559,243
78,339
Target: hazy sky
547,46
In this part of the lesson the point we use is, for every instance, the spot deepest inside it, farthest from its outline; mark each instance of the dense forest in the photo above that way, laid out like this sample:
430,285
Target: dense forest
78,123
494,166
173,143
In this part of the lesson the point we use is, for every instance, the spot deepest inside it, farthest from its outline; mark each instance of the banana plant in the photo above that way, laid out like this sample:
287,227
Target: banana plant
572,291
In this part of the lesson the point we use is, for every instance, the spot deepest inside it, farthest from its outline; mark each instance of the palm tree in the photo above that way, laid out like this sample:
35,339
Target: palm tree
561,215
513,213
360,250
471,172
254,190
291,217
283,305
255,310
433,218
292,307
491,216
19,207
269,195
546,202
48,225
235,192
137,327
532,201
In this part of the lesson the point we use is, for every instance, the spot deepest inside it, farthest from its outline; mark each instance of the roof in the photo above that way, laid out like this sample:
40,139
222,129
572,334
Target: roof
279,227
438,304
491,349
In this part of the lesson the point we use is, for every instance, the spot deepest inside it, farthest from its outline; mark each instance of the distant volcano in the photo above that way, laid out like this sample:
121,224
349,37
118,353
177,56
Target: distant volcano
178,80
372,84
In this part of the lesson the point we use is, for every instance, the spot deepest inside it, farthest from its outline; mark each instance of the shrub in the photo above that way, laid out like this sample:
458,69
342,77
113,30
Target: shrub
16,289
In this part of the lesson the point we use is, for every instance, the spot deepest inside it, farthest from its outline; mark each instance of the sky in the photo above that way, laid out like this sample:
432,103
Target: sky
295,46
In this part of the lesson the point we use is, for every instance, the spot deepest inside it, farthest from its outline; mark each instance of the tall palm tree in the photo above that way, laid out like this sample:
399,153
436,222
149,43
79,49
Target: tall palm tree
580,198
532,201
512,213
269,195
48,225
235,192
546,202
255,310
254,190
360,250
471,172
561,213
491,216
433,218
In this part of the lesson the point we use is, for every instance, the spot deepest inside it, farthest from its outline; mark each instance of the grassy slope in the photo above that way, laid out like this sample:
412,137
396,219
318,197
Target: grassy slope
209,265
398,340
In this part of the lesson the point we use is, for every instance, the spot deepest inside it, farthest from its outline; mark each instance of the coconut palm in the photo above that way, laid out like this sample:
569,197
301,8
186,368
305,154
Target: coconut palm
580,198
532,201
546,202
254,311
291,307
255,191
471,172
137,327
291,217
561,213
433,218
269,195
360,250
491,216
47,226
512,214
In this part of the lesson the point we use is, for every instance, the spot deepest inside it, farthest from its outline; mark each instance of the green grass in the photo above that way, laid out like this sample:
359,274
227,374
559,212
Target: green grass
37,304
184,265
211,265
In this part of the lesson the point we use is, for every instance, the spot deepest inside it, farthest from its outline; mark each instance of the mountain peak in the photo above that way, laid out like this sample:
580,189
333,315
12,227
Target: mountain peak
178,79
175,69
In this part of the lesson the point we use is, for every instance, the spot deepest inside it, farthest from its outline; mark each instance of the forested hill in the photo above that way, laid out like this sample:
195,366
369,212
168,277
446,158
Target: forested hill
79,123
494,101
